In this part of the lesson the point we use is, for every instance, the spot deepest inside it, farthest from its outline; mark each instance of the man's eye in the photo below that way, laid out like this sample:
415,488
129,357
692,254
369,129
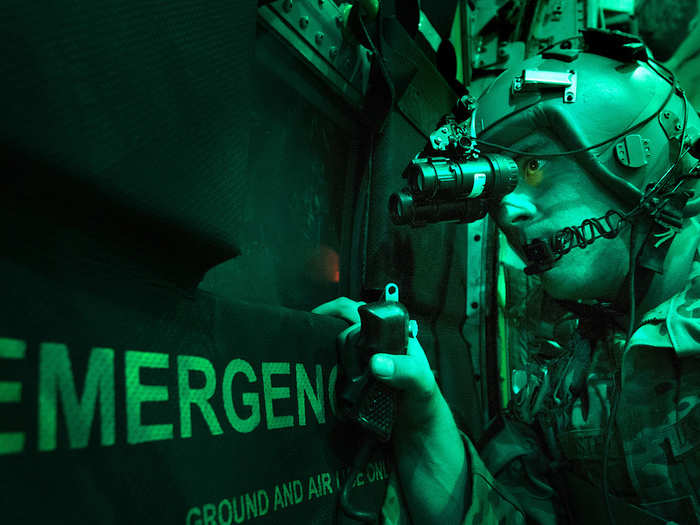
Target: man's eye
533,172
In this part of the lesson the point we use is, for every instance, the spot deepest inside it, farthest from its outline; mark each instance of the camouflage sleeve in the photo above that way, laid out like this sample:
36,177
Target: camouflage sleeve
515,459
491,501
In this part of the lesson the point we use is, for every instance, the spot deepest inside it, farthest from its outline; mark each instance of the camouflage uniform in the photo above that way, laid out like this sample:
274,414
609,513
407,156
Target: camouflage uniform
555,433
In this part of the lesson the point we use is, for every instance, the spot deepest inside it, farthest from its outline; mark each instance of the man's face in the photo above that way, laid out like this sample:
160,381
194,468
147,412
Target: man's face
552,194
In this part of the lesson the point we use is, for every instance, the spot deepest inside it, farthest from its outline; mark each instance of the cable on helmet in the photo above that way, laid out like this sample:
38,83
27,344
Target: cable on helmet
579,150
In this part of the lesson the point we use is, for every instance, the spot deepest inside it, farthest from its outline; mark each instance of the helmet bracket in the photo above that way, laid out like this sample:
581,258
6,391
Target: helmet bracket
633,151
535,79
666,222
615,44
671,124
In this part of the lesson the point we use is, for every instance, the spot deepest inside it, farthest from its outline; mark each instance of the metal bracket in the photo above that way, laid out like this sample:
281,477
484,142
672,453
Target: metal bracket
671,124
535,79
477,305
440,138
633,151
391,292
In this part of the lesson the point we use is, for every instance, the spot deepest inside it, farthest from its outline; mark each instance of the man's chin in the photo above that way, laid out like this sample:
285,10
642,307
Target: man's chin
561,284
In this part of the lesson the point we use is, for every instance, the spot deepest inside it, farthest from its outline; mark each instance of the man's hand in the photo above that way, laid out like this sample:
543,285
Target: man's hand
341,307
410,373
432,465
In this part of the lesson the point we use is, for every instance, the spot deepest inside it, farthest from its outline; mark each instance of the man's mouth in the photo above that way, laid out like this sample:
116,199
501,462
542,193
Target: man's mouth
533,232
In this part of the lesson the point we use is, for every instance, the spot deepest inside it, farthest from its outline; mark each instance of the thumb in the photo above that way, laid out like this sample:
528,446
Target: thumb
410,372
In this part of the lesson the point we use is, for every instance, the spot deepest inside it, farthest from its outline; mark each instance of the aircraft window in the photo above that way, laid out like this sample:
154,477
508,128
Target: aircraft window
300,148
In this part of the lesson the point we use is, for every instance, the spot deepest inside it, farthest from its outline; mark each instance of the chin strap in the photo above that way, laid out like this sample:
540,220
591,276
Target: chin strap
664,214
541,254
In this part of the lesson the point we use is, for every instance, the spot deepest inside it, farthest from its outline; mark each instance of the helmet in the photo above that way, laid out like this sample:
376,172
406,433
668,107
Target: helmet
620,116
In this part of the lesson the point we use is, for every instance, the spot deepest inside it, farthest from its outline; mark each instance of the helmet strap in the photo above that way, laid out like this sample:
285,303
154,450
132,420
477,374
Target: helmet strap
665,220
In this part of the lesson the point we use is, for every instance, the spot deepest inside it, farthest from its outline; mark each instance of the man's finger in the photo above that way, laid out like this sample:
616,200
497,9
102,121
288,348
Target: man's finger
415,349
341,307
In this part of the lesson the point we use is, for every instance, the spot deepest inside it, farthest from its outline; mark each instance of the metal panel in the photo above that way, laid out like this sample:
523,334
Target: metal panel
478,302
555,20
314,31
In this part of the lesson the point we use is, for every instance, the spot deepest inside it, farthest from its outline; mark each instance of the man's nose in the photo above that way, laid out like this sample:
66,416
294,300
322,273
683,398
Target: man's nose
515,208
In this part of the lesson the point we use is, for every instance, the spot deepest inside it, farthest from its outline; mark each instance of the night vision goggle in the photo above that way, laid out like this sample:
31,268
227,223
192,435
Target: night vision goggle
451,180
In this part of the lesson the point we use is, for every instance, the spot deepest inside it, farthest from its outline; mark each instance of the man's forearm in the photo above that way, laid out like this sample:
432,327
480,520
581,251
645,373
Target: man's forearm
433,469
